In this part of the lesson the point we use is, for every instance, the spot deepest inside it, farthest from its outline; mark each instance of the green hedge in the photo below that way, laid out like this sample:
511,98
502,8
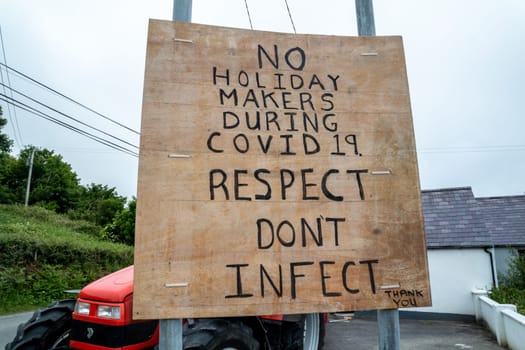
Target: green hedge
42,254
29,244
506,295
28,288
511,289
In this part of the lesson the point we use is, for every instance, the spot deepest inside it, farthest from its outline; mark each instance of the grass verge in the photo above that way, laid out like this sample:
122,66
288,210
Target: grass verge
42,254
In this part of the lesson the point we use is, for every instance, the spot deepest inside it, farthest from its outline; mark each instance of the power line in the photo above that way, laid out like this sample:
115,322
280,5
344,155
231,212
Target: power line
248,12
43,115
14,125
68,116
290,15
68,98
473,149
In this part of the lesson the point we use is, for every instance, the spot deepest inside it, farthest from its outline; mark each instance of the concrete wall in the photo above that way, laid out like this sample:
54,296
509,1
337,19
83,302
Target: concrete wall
454,273
502,320
514,325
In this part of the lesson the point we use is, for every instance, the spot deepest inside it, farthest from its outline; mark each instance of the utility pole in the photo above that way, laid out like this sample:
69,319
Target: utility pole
170,331
365,18
28,188
182,10
387,320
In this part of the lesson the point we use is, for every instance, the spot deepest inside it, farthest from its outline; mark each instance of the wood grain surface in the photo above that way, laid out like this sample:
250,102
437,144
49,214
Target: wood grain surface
277,174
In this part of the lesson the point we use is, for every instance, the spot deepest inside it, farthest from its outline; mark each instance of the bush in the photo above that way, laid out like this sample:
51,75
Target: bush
506,295
512,287
42,254
26,288
25,244
122,229
41,215
515,277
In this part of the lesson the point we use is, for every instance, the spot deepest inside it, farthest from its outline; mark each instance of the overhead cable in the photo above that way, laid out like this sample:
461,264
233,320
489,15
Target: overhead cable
290,15
69,117
12,117
43,115
475,149
248,12
68,98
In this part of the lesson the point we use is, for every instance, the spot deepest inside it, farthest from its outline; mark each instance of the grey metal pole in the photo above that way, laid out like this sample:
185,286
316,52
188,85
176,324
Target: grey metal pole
170,331
29,175
365,18
388,329
170,334
182,10
387,320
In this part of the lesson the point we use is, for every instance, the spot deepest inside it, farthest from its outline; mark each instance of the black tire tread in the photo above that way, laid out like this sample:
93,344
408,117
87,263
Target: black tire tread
322,331
38,332
209,334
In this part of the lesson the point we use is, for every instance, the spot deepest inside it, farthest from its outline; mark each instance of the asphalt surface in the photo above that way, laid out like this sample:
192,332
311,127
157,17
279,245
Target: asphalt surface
8,326
360,334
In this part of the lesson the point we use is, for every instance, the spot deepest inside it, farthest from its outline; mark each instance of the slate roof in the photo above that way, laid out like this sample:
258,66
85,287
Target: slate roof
505,219
454,218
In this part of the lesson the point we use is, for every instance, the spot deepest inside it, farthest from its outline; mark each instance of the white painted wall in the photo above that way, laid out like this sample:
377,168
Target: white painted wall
454,273
502,319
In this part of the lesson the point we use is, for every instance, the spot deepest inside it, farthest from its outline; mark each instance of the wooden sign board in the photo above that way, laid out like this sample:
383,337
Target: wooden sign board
277,175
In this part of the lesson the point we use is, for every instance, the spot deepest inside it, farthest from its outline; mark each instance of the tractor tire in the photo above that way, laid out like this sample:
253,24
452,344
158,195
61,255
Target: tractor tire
314,331
218,334
48,328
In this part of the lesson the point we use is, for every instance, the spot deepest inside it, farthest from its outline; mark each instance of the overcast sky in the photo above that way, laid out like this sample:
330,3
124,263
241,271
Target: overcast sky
465,62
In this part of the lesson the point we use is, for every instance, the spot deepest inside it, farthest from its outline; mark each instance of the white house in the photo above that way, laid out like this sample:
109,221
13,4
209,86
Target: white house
469,241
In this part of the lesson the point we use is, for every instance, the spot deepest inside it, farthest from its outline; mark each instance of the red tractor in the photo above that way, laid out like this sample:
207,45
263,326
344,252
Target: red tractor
101,319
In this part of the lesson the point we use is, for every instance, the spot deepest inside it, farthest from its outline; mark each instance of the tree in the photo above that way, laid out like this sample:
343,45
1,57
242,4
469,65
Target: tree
122,229
515,277
98,204
5,142
6,164
511,289
54,184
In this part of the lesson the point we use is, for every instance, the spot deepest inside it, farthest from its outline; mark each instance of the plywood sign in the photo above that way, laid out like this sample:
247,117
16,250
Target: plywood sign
277,174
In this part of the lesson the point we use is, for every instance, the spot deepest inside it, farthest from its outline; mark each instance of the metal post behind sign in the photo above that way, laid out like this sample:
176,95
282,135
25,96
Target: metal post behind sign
388,329
182,10
365,18
387,320
170,331
170,334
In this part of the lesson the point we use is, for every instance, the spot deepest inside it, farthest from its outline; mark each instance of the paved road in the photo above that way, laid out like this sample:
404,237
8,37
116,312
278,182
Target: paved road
8,326
361,334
